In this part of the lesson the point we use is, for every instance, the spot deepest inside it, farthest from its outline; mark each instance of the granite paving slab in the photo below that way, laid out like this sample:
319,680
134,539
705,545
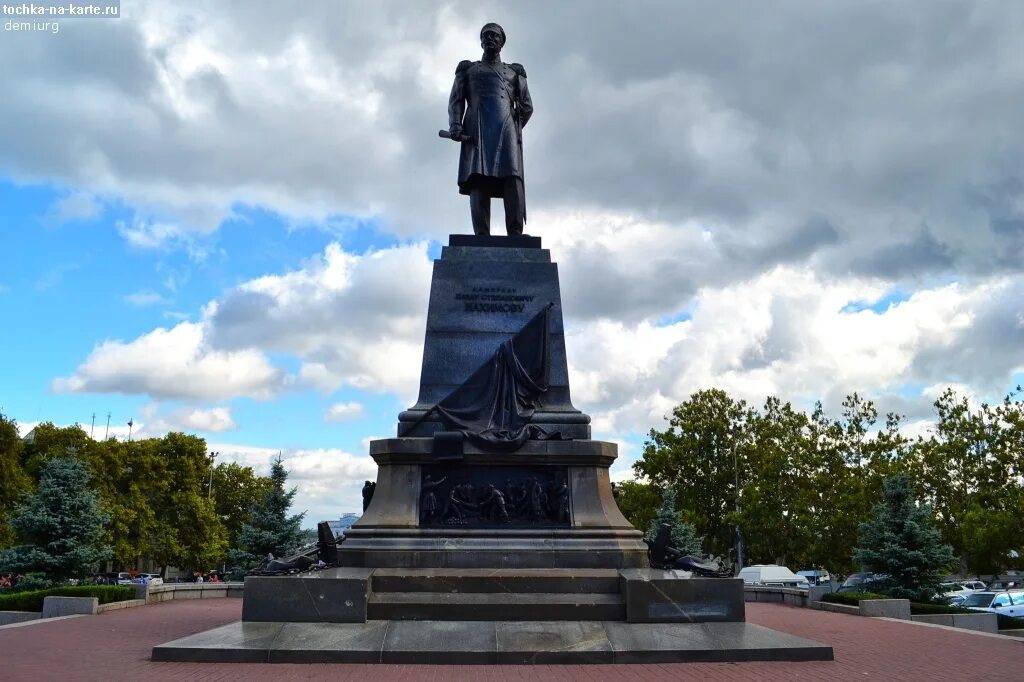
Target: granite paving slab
553,642
491,642
330,642
238,642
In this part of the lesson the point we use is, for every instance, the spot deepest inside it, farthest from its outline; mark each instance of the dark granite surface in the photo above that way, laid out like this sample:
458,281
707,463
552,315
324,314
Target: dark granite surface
483,291
489,642
335,595
518,241
657,596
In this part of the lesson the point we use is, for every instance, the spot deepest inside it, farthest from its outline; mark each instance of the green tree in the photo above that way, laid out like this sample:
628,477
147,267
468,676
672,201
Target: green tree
848,459
901,541
701,456
60,526
638,502
682,535
775,513
14,483
236,490
270,529
971,471
50,442
192,535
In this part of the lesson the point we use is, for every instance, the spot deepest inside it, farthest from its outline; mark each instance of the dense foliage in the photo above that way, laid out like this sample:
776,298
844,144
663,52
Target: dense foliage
33,601
798,484
270,530
929,609
59,527
901,542
163,497
682,535
850,598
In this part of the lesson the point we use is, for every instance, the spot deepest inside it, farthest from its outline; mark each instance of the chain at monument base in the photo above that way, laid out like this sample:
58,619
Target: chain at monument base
559,511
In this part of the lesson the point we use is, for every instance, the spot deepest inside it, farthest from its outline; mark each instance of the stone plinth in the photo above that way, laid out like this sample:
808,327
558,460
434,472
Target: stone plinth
656,596
54,607
336,595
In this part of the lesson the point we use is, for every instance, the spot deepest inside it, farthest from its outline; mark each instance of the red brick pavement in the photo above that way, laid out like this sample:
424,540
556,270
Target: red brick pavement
116,646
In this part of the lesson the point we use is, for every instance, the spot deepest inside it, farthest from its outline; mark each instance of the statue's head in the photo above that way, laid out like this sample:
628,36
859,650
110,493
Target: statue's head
492,37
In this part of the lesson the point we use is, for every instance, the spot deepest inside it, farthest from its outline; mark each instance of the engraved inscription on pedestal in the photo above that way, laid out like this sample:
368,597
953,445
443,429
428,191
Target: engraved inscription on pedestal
495,497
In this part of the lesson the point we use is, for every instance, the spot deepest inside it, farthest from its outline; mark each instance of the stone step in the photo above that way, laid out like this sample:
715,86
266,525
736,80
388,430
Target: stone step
475,580
489,606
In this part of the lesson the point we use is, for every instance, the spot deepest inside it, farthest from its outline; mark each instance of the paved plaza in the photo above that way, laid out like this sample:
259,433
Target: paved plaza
116,646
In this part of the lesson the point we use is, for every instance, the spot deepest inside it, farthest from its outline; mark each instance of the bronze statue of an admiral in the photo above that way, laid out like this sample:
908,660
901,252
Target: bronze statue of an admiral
489,105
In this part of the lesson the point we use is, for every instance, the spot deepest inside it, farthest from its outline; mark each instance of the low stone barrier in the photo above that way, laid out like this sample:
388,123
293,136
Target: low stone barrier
779,595
116,605
157,593
9,617
69,606
848,609
885,608
982,622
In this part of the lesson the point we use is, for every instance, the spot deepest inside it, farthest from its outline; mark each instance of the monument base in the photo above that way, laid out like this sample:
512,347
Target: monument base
493,642
461,616
432,509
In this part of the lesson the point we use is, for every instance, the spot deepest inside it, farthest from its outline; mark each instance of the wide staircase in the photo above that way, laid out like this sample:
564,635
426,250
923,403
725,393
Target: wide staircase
496,594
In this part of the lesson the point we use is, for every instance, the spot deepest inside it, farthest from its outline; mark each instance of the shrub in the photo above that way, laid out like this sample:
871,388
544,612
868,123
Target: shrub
33,601
850,598
921,609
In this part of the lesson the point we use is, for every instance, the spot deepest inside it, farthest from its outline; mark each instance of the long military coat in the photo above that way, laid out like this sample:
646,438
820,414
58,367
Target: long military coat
492,102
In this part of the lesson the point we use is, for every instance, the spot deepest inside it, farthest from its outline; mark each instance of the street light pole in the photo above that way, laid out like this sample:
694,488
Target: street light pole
213,459
739,536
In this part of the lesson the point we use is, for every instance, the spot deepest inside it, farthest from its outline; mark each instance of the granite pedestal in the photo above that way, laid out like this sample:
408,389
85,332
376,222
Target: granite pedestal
472,553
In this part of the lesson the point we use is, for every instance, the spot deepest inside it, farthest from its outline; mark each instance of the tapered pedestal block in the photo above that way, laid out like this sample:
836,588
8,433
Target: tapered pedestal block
483,291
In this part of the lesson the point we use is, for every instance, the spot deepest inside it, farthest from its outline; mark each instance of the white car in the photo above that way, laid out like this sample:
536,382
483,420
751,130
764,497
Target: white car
772,575
1005,603
149,579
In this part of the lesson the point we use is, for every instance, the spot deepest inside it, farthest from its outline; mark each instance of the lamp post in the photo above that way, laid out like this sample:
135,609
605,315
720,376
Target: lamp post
739,536
213,459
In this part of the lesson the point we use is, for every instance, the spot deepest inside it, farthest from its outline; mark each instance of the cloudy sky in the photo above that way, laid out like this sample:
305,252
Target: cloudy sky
221,217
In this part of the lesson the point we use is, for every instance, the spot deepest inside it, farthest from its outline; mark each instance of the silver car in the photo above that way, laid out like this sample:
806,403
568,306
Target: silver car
1004,603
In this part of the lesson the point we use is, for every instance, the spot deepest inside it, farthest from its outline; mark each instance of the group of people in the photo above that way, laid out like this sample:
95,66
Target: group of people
9,581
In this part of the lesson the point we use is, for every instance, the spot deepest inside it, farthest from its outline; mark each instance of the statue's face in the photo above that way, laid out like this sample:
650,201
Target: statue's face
490,39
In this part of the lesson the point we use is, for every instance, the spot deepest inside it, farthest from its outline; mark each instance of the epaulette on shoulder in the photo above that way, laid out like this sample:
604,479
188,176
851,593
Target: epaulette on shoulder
518,68
463,65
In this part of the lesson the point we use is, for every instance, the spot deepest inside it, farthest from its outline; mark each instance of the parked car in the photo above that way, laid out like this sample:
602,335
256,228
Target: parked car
772,575
863,582
1004,584
1009,603
952,589
148,579
124,578
974,585
956,600
816,576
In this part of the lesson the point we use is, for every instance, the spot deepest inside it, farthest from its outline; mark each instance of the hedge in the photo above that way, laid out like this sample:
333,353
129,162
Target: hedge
921,609
33,601
850,598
